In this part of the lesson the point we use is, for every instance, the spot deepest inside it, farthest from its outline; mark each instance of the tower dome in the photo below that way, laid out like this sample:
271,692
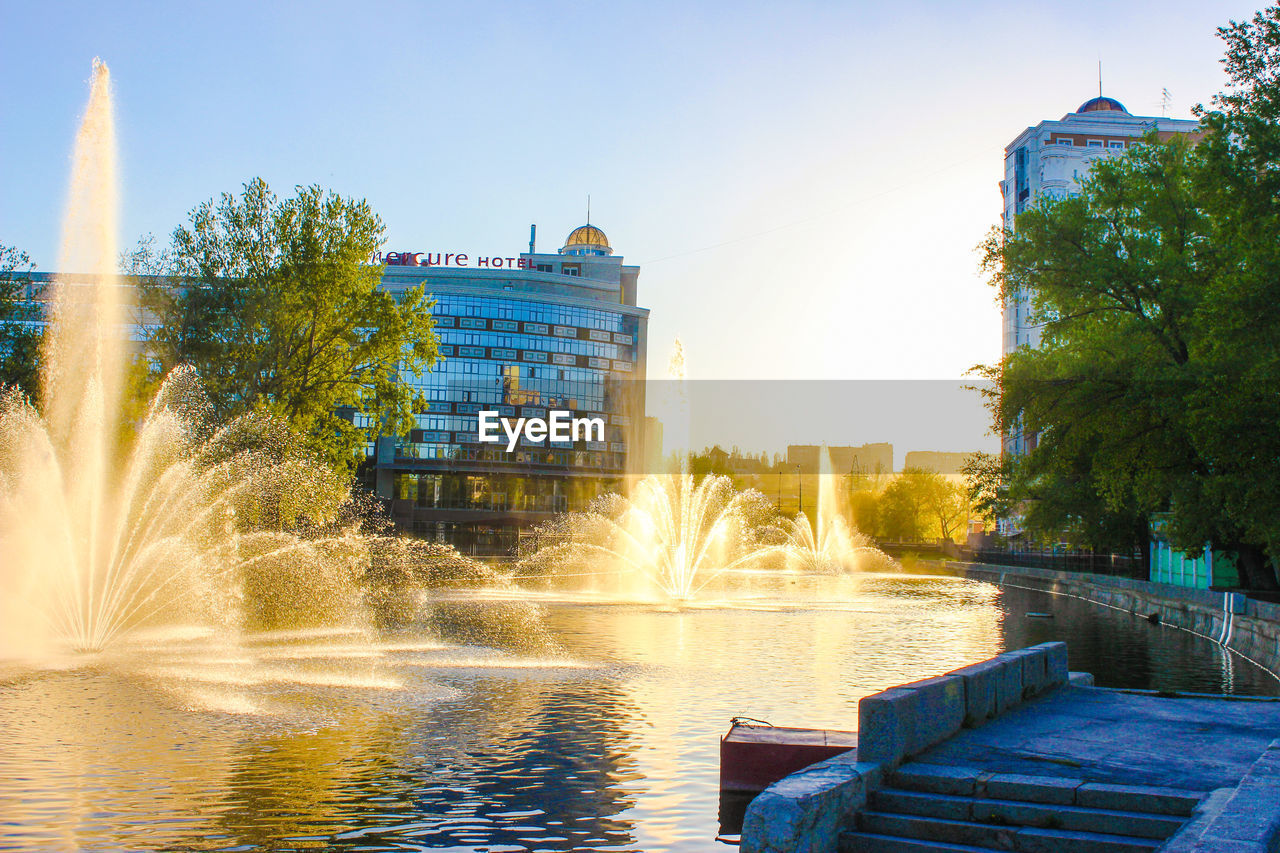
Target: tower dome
586,240
1102,105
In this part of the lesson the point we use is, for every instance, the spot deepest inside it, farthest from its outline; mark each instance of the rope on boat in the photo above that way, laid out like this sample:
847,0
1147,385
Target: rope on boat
747,721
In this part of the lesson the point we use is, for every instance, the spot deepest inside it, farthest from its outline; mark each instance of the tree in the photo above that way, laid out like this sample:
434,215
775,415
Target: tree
986,485
947,507
922,504
1235,410
19,331
1158,288
276,305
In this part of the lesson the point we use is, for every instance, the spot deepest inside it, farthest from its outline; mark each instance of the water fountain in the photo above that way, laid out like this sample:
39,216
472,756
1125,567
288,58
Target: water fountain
110,526
673,535
244,684
175,523
829,544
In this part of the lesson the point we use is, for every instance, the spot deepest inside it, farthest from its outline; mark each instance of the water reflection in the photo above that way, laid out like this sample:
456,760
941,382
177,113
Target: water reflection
1124,650
609,740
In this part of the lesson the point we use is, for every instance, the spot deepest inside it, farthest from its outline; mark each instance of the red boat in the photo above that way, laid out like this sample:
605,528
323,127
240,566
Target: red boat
754,754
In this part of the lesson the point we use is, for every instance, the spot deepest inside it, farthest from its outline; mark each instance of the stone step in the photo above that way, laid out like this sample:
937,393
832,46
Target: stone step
1018,813
1054,790
993,836
869,842
1188,838
936,778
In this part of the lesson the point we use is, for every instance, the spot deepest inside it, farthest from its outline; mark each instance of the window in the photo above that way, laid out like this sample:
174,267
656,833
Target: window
571,269
544,268
1115,143
1095,143
1063,141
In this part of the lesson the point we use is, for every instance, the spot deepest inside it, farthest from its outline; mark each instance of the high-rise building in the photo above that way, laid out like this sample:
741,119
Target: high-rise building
521,336
1050,160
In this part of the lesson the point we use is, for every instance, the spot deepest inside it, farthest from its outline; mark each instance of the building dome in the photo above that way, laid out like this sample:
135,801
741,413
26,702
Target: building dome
1102,105
586,240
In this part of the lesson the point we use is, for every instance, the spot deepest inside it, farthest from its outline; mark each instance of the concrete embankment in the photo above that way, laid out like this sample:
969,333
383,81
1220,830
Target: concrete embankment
1246,626
1016,754
1035,761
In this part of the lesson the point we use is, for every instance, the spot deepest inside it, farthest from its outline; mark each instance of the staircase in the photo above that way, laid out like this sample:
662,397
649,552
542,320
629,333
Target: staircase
931,809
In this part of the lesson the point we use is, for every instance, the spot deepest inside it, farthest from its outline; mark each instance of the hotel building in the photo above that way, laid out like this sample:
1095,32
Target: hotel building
521,336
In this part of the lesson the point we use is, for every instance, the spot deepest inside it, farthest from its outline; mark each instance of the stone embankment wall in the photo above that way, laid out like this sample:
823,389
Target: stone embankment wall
806,811
1244,625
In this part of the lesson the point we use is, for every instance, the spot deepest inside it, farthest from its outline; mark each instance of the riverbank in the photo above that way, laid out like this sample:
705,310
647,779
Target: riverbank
1246,626
1223,751
1014,754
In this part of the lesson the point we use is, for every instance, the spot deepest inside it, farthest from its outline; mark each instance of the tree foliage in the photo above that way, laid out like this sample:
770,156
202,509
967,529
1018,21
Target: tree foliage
1158,293
913,505
279,310
19,335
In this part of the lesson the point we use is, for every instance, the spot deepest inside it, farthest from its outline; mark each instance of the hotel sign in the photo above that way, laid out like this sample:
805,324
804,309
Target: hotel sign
448,259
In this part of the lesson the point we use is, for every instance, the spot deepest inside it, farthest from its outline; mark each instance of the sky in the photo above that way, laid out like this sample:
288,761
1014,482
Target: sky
802,184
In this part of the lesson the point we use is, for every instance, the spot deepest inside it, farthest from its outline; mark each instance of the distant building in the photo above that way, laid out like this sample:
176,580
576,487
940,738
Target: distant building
940,462
862,459
746,465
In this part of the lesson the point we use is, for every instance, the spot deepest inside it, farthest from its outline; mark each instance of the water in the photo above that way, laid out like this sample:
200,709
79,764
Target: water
180,669
112,521
830,544
608,743
674,535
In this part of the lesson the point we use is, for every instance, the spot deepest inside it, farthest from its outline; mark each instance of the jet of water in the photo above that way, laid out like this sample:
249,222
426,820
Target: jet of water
829,543
99,534
674,532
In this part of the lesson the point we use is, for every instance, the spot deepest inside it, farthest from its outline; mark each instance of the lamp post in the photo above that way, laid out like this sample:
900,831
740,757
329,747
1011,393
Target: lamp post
800,488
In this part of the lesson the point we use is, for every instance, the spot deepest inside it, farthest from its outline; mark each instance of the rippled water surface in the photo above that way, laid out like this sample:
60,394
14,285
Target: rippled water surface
325,740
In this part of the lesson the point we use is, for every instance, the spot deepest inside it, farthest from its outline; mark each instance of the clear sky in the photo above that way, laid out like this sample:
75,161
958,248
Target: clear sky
803,184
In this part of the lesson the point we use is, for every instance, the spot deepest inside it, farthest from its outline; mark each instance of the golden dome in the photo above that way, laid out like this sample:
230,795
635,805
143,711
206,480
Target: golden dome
586,237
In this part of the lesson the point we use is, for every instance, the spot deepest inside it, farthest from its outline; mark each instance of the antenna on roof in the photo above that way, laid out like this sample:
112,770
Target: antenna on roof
1099,76
588,208
1166,101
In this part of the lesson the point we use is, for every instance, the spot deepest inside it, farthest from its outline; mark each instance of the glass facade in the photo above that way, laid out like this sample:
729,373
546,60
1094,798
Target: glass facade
522,343
523,359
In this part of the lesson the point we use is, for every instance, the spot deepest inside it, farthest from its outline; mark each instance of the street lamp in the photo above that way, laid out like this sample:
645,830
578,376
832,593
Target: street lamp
800,487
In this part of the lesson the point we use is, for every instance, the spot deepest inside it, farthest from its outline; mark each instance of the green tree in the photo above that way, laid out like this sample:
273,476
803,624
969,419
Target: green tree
1158,288
19,335
278,308
1117,275
1235,410
986,485
922,504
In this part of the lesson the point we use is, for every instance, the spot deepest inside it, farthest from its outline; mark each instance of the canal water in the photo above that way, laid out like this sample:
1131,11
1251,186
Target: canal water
606,741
